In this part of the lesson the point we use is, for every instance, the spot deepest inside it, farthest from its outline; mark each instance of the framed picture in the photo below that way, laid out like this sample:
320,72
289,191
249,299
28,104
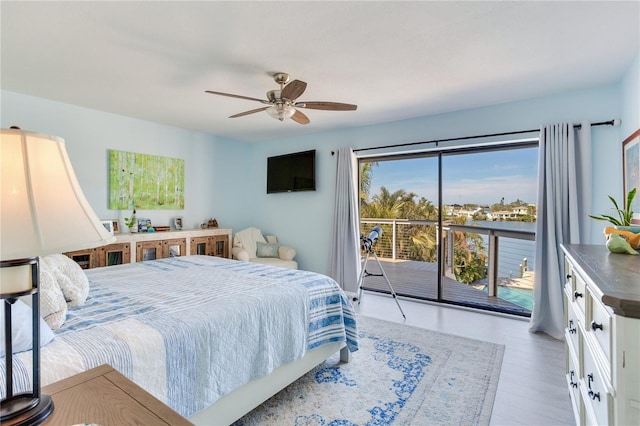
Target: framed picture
108,225
115,226
144,224
177,222
631,171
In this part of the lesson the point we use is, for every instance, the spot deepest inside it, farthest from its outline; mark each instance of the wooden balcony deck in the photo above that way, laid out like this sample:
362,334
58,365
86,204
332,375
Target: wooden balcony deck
419,280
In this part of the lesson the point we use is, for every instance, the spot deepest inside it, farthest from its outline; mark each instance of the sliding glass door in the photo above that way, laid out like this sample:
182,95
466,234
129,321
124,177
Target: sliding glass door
401,197
458,225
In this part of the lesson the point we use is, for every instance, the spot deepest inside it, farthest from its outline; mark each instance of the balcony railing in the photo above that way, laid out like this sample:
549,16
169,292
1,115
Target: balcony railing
508,250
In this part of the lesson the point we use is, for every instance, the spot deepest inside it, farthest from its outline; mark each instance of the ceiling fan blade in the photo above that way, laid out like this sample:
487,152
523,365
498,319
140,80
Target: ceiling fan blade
253,111
237,96
300,118
293,90
329,106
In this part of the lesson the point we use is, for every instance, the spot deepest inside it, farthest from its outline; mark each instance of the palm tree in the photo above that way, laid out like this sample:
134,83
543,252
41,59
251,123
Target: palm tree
365,180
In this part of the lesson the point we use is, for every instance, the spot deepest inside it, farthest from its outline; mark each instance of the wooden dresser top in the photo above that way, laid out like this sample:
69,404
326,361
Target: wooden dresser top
616,275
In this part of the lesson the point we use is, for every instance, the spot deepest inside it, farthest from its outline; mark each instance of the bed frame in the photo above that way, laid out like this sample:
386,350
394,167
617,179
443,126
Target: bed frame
233,406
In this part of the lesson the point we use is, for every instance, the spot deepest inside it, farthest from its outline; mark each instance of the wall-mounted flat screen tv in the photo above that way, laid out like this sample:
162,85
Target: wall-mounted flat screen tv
292,172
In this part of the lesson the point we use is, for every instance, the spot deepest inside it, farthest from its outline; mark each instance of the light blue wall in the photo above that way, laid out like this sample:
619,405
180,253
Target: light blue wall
90,134
227,179
630,90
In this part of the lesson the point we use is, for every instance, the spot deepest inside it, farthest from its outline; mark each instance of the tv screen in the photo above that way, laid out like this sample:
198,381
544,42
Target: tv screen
292,172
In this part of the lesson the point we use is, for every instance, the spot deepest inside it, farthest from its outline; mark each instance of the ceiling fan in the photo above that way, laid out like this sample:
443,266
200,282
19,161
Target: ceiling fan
283,104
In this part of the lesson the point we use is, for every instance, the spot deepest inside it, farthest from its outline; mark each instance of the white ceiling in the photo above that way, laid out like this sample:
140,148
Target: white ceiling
395,60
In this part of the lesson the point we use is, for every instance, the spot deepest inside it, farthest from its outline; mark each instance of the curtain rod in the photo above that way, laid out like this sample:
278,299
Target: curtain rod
613,122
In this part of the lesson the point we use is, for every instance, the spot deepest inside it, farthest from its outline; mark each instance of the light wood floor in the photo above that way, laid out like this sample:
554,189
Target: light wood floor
532,389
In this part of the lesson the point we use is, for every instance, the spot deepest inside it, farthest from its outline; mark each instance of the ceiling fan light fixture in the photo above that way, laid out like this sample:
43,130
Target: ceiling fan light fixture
281,111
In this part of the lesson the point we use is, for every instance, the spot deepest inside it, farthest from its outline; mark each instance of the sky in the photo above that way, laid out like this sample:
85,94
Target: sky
478,178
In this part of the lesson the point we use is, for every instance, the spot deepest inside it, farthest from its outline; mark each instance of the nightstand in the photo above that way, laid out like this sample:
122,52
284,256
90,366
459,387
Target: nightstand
104,396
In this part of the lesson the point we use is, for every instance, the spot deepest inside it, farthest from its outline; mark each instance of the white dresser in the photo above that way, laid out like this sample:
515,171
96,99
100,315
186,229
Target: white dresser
602,333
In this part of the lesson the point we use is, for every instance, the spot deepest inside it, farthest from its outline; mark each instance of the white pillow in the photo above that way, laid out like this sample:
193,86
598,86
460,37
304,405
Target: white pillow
248,239
70,278
53,306
21,333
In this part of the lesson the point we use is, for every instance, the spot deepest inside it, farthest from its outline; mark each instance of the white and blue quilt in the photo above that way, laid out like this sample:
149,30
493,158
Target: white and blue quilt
192,329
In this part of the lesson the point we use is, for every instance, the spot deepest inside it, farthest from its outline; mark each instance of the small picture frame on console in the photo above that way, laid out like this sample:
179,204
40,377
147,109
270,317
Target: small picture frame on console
108,225
144,224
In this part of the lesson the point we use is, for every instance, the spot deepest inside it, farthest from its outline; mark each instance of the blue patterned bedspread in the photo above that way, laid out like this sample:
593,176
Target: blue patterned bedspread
192,329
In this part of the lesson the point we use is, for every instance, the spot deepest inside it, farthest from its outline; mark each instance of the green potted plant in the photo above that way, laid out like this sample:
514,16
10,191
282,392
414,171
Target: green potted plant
624,215
130,222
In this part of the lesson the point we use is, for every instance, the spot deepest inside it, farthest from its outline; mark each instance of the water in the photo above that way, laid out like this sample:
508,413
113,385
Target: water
511,251
518,296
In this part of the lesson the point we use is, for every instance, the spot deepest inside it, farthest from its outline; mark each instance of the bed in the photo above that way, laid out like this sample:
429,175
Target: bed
210,337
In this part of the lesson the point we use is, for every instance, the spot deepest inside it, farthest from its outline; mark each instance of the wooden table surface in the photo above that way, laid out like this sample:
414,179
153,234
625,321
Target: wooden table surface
105,397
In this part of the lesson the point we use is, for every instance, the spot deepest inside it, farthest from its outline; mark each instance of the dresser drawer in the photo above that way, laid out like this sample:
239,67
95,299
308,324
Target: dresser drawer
598,402
575,287
599,331
572,382
572,327
579,292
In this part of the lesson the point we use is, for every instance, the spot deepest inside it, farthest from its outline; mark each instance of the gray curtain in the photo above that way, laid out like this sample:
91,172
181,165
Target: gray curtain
344,264
564,200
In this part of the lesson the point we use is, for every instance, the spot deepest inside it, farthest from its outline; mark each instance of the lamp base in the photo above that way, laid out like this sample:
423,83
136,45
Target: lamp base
24,409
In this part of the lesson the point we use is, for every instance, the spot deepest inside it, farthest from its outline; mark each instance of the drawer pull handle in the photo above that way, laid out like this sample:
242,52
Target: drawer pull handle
595,326
572,383
577,294
594,395
568,276
572,329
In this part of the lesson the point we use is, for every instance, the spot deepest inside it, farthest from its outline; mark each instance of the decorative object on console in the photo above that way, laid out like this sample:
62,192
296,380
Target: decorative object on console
623,237
624,215
144,224
616,243
108,225
43,212
177,222
131,222
212,223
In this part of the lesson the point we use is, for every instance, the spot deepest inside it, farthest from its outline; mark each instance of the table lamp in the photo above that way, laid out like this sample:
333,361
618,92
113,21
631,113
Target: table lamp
42,211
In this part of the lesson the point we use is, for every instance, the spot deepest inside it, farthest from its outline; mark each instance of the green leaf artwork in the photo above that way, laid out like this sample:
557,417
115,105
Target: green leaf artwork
145,182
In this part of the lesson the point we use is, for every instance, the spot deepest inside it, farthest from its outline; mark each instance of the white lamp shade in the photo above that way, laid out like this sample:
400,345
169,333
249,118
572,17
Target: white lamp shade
43,210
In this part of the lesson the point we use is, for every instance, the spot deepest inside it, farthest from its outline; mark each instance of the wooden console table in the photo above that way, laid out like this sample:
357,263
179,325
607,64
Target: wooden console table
104,396
140,246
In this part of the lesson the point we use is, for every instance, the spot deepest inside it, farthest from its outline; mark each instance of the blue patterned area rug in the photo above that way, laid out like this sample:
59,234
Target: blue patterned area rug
401,375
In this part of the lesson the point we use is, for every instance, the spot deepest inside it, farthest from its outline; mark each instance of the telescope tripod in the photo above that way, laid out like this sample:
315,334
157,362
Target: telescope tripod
364,273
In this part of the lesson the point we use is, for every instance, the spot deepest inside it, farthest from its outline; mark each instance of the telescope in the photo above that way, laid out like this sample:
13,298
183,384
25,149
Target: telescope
367,245
375,233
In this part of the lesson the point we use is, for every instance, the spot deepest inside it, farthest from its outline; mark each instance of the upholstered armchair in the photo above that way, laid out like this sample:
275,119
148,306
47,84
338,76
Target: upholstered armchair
250,245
